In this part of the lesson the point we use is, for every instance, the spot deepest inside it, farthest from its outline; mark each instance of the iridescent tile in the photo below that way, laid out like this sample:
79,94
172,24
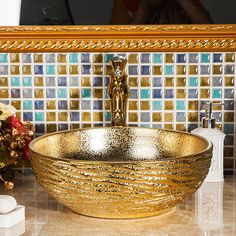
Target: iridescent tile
229,93
169,82
16,104
98,70
157,82
229,57
62,127
132,117
85,57
157,70
181,58
39,93
133,58
205,81
143,125
51,105
180,93
193,58
193,70
193,105
40,128
133,94
157,57
4,82
133,82
169,58
229,140
50,57
26,57
145,116
204,70
38,81
73,69
38,69
15,81
217,116
157,105
157,93
145,70
107,116
86,69
133,70
193,116
169,105
217,69
15,93
169,93
74,116
192,127
229,81
192,93
62,58
86,93
98,116
15,70
74,104
205,57
181,82
216,93
181,127
98,105
62,93
51,116
106,81
62,70
144,105
50,93
228,152
86,116
193,82
229,104
97,58
3,57
108,57
180,116
62,116
27,81
50,81
133,105
27,105
168,117
62,81
145,58
229,117
28,116
74,81
62,105
97,93
39,105
97,81
50,70
14,57
205,93
156,116
229,69
180,105
3,70
145,82
217,57
157,126
73,57
74,93
217,81
169,70
145,93
38,57
86,82
39,116
27,93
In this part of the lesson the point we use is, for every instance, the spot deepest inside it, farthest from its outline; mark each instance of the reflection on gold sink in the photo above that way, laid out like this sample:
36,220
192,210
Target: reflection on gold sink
120,172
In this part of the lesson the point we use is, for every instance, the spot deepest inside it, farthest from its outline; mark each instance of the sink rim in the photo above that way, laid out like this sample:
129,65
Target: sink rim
32,150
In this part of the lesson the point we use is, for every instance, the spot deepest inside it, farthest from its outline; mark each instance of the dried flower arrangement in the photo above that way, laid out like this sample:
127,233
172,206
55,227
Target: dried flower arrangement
15,137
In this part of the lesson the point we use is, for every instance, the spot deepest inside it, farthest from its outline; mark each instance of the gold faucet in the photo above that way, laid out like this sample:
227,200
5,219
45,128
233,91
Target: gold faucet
118,91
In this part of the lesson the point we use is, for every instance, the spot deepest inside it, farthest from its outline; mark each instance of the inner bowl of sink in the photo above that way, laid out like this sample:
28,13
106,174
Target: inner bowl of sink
120,172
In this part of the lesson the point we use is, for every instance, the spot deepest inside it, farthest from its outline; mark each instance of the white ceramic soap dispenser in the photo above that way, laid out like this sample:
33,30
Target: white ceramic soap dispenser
208,130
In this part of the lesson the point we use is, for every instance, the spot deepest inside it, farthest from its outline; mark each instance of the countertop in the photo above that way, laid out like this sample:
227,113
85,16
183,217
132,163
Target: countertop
210,211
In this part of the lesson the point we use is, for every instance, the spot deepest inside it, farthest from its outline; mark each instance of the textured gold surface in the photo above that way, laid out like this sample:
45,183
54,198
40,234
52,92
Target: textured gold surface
120,172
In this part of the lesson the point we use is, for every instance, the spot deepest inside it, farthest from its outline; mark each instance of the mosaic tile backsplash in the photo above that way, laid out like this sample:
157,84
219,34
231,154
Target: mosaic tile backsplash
60,91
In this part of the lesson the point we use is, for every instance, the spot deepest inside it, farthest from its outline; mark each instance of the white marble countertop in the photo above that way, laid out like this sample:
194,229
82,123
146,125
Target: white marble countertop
211,211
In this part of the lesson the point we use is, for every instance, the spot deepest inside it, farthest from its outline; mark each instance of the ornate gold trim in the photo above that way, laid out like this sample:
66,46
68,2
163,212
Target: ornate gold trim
118,38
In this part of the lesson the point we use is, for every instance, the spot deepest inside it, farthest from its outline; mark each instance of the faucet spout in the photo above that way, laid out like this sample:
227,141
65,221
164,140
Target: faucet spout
118,91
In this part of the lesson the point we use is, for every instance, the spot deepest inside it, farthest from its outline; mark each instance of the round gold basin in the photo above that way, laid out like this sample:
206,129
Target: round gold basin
120,172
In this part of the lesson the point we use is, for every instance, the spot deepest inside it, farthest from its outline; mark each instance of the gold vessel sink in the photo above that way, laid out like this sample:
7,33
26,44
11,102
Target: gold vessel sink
120,172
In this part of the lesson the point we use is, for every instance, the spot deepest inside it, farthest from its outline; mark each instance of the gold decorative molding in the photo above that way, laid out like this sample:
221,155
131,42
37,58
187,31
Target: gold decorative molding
118,38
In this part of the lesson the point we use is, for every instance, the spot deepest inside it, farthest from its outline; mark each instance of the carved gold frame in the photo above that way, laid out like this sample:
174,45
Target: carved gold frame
118,38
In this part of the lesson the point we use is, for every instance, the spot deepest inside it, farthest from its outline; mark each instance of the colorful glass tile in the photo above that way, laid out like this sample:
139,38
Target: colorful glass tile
73,58
205,58
133,70
181,58
145,93
180,105
157,58
15,81
157,82
27,81
3,57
